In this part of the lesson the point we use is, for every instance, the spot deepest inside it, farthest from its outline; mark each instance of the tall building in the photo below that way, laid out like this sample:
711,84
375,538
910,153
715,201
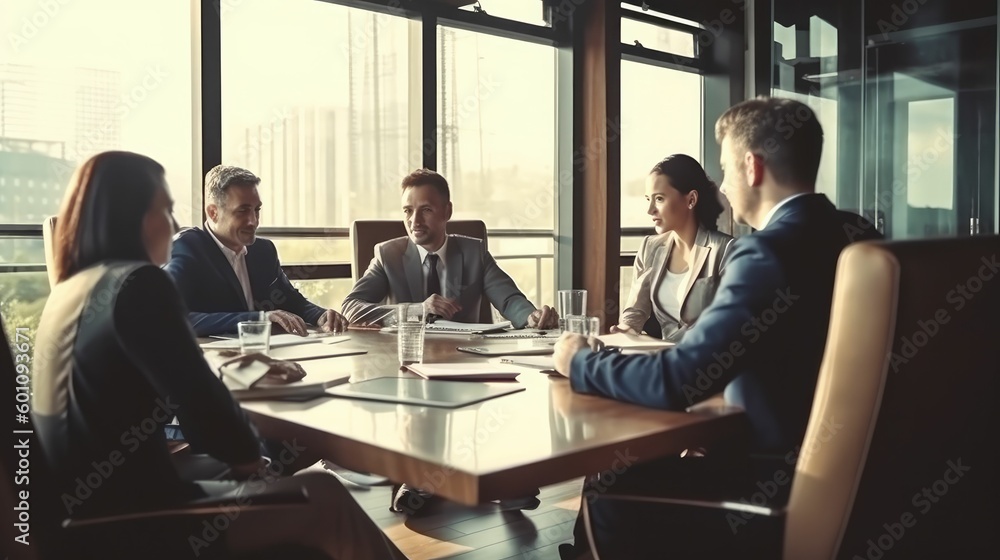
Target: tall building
49,120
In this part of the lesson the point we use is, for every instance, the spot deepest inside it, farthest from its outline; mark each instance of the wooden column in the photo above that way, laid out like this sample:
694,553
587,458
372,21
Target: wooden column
597,161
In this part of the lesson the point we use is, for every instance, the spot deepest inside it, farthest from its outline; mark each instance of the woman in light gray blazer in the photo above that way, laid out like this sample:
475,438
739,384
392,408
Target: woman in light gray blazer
677,270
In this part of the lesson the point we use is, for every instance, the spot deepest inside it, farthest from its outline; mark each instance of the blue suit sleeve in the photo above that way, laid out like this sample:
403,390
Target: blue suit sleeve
711,354
181,269
295,302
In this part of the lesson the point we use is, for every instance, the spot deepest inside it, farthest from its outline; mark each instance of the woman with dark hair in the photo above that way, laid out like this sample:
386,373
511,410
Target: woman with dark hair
676,271
115,360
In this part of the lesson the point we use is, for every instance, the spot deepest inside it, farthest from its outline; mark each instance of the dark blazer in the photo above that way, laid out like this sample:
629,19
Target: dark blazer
762,338
212,293
651,260
115,359
395,275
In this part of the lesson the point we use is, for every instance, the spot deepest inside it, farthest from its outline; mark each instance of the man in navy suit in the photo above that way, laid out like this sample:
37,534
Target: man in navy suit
226,274
760,343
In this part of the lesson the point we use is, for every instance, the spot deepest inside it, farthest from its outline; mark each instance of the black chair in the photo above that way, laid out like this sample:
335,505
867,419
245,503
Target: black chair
139,533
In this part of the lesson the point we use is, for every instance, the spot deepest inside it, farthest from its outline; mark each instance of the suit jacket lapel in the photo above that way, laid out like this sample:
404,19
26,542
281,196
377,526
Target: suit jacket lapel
222,266
414,270
454,262
698,260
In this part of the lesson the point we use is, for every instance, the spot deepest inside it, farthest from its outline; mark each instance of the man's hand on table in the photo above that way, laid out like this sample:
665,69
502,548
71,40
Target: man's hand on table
568,345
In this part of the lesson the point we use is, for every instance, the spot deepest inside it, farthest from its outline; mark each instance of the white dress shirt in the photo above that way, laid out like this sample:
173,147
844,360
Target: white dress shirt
442,271
670,294
239,263
770,213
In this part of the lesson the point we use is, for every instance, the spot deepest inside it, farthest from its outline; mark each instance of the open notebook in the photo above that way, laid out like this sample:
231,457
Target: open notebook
463,372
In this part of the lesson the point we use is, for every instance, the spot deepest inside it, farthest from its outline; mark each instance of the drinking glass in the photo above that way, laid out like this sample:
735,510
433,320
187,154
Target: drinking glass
581,324
255,336
570,302
410,321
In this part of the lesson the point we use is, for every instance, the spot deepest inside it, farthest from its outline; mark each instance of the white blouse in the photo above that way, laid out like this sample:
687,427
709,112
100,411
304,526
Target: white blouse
670,294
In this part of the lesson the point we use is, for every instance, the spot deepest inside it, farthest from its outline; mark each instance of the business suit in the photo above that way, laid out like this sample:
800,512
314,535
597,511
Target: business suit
760,341
395,275
115,359
114,351
707,254
212,292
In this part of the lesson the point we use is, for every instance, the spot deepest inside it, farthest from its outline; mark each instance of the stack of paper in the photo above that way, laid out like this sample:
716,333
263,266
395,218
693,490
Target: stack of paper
453,327
472,372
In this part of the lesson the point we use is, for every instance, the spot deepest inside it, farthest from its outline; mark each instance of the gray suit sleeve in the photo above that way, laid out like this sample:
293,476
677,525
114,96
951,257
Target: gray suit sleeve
368,292
639,304
503,293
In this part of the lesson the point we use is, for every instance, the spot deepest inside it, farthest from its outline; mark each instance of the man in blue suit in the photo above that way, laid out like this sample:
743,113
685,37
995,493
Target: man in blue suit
226,274
760,343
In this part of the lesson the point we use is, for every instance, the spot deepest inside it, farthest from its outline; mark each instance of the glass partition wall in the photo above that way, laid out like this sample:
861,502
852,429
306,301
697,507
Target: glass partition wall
907,97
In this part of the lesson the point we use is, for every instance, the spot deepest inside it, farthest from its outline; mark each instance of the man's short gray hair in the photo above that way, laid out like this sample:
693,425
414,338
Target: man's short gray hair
221,177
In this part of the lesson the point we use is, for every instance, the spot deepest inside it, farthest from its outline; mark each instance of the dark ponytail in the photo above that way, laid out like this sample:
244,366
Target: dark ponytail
686,175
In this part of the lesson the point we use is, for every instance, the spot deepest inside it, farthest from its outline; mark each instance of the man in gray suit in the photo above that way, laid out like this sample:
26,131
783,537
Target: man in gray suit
449,273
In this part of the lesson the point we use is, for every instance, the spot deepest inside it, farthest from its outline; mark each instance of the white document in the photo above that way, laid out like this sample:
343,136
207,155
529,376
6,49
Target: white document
467,328
543,363
472,372
277,341
627,341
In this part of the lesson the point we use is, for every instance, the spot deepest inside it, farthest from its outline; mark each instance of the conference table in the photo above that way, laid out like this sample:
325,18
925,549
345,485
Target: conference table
504,447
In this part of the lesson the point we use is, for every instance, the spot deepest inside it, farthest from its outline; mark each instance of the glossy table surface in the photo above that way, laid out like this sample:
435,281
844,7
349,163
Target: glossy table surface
497,448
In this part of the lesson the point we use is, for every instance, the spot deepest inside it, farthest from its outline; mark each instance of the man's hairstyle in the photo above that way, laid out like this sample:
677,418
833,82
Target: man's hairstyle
103,210
422,177
785,133
221,177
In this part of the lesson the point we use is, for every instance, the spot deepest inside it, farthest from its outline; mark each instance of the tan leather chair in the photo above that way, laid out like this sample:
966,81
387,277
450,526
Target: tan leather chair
899,454
48,241
906,403
365,234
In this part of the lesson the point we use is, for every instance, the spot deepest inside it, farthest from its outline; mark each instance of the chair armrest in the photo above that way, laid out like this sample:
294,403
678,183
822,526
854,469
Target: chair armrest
207,506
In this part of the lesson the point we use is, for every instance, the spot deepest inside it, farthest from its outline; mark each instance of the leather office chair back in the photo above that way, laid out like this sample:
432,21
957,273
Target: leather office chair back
49,240
365,234
899,457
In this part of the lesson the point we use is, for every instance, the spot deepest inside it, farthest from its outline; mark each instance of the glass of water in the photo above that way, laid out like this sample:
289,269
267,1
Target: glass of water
570,302
255,336
410,321
581,324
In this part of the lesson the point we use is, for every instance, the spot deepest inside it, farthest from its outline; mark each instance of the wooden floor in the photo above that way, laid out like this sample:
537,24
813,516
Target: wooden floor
449,530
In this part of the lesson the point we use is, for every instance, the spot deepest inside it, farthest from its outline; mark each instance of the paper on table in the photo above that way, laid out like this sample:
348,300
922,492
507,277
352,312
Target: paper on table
544,363
312,352
243,375
627,341
277,341
472,372
477,328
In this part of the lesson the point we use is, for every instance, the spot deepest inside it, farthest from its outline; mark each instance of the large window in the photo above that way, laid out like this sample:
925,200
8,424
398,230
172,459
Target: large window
323,103
497,146
661,115
77,79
